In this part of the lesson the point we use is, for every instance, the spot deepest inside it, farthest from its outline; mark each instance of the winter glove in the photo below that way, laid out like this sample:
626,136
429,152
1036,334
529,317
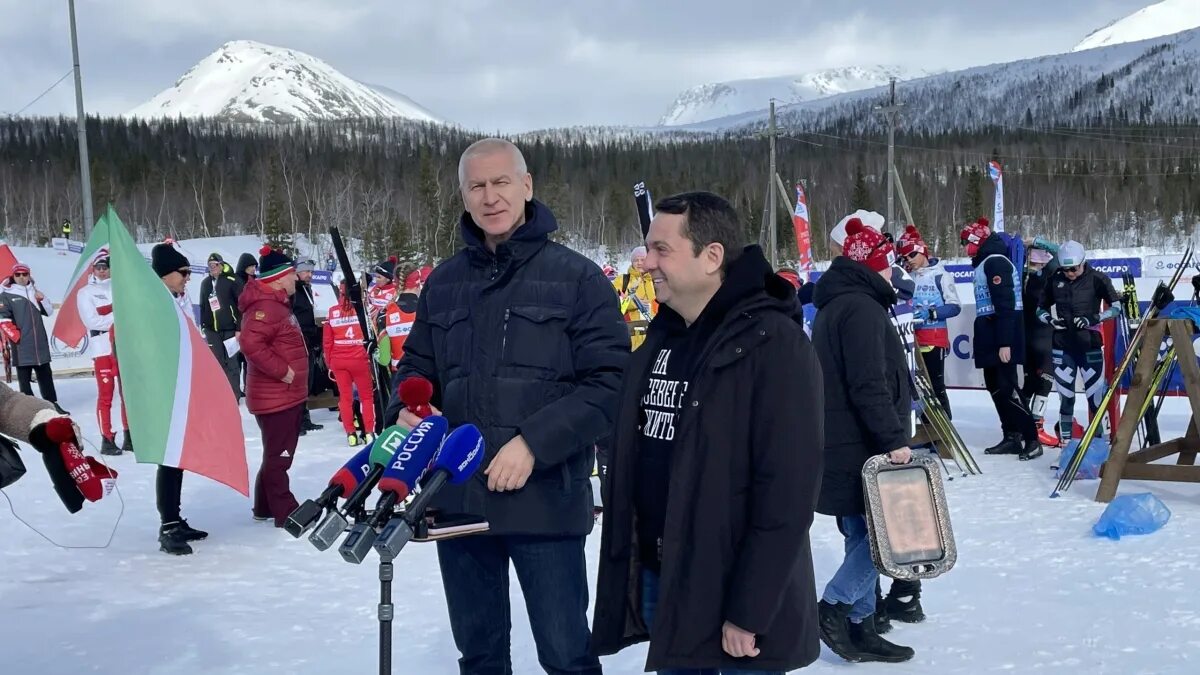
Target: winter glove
75,475
10,330
1084,322
105,310
921,313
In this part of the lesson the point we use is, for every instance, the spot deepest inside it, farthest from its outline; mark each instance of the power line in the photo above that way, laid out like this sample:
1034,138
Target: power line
39,96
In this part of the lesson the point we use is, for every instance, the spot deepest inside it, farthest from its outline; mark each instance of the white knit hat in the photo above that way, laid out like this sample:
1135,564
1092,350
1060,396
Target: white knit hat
868,218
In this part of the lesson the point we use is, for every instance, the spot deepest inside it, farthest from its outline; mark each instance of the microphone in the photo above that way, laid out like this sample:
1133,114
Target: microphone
416,392
397,480
457,460
342,483
335,522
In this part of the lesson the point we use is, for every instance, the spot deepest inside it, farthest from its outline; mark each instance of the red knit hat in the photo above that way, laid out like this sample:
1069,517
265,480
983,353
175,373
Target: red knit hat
20,268
973,234
911,242
866,245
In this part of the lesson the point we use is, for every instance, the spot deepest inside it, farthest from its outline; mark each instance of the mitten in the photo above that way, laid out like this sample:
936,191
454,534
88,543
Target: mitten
105,310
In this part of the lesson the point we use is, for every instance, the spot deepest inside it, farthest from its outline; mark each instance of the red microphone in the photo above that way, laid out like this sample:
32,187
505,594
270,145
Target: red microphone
416,393
93,479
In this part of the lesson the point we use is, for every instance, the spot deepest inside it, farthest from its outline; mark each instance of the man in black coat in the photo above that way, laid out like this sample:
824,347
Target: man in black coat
999,337
1038,366
306,316
716,462
867,402
523,338
219,316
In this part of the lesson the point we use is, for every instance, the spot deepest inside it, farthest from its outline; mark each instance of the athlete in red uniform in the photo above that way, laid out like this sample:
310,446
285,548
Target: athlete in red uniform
349,367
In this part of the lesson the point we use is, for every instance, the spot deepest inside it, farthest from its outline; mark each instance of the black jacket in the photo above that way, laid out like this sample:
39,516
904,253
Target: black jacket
745,472
528,340
867,389
1081,297
225,289
1037,334
244,261
1005,328
306,316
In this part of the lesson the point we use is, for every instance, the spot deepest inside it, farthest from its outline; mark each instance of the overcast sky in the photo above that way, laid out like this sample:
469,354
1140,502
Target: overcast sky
512,65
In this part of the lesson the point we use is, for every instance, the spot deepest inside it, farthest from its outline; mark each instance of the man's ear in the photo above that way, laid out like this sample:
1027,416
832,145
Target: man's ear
714,257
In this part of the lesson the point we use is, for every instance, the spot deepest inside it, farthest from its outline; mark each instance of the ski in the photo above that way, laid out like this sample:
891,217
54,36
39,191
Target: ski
1163,296
645,208
355,291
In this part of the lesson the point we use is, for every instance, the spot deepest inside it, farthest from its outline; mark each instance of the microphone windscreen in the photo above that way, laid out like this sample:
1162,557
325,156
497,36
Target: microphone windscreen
384,445
414,456
461,453
415,392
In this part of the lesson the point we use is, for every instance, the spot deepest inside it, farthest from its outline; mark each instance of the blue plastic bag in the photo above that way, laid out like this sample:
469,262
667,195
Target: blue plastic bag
1142,513
1093,459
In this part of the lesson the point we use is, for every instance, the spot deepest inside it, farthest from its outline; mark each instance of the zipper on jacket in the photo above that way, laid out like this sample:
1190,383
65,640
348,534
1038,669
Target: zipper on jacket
504,334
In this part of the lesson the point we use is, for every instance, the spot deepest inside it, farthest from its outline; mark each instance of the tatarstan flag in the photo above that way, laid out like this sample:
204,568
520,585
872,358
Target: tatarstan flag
180,406
68,325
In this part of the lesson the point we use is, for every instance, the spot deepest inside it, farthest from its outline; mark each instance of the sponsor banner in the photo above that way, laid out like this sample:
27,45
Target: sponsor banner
1163,266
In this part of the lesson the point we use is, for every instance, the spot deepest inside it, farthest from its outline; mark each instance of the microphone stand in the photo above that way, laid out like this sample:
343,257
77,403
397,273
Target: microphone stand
386,613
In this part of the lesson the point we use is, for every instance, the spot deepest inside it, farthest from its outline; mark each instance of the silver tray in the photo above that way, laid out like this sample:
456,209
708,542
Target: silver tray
908,521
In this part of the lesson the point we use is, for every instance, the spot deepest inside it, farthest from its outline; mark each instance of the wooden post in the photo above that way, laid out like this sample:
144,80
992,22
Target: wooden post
1139,391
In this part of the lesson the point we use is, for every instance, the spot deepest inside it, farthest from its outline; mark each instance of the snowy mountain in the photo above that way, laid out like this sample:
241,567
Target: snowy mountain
1162,18
1152,81
722,99
246,81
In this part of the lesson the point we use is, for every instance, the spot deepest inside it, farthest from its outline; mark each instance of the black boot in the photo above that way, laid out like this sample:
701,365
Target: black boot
834,624
59,408
127,446
871,647
882,622
190,533
904,601
1031,450
173,540
1011,445
307,424
108,447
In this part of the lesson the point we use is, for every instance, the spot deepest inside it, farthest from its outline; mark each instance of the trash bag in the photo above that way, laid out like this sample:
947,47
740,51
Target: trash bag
1093,459
1141,513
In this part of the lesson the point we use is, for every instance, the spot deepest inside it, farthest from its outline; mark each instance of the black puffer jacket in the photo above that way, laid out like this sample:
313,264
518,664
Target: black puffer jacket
744,474
528,340
246,260
1037,334
1081,297
867,390
225,289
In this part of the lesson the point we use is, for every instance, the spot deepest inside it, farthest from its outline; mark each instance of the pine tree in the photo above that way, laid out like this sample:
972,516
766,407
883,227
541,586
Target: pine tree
861,197
972,205
277,234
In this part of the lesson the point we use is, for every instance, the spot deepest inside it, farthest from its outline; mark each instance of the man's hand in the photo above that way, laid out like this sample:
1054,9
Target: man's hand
39,296
737,642
900,456
291,375
410,420
510,468
1005,354
237,335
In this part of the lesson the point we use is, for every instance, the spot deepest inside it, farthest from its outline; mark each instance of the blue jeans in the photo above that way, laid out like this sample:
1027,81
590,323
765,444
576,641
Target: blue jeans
650,604
553,575
854,582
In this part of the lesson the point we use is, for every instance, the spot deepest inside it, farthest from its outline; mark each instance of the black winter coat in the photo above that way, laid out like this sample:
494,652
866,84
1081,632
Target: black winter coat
246,260
528,340
744,476
1037,334
225,289
1005,328
1081,297
867,389
306,316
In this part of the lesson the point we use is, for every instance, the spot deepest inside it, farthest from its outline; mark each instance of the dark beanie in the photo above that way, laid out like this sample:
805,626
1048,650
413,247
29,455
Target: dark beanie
387,268
273,264
164,258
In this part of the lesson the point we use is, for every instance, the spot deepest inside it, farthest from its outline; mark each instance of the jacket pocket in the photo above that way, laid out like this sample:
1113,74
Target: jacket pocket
535,337
451,337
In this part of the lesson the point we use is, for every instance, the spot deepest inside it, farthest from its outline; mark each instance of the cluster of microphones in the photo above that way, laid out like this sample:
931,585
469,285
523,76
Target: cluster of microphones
398,462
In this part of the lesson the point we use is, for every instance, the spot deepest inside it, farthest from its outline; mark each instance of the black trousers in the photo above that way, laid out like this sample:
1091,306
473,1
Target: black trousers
935,363
229,364
1039,380
45,378
1015,418
167,490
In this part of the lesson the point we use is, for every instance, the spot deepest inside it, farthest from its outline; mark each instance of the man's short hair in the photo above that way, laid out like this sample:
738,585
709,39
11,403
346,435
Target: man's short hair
487,146
708,218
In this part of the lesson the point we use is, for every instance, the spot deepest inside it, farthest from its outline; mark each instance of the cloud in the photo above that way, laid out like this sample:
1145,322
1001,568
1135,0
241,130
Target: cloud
522,64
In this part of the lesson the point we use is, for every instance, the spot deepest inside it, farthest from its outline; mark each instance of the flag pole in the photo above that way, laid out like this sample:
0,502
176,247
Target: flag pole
85,174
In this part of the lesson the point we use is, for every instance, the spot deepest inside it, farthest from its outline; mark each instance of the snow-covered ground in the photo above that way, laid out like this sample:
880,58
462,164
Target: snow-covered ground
1033,589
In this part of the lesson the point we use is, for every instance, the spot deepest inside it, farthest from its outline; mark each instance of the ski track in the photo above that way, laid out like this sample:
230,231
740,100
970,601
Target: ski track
1033,590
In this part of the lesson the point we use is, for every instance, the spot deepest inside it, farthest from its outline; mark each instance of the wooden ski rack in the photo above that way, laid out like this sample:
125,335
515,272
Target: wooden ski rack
1123,464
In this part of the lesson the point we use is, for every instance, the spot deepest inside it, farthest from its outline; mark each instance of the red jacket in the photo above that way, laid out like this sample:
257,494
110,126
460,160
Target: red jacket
272,342
342,337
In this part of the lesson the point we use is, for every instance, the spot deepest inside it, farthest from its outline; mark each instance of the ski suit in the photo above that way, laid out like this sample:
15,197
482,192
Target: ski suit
347,360
94,303
935,301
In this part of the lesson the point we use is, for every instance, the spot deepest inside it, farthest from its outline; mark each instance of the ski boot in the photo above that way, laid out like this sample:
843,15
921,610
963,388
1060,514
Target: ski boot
368,438
903,602
109,447
833,622
172,539
871,647
352,439
1045,437
127,446
1032,450
1010,445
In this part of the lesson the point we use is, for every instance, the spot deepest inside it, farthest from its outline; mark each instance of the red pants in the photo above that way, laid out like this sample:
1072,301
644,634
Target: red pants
272,490
107,380
358,373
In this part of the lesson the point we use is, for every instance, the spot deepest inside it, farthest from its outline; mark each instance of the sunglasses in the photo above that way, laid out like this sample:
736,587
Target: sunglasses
20,274
1071,270
185,272
912,256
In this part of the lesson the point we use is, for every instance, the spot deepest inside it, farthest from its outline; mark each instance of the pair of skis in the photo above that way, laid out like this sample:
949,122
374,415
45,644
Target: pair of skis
1163,296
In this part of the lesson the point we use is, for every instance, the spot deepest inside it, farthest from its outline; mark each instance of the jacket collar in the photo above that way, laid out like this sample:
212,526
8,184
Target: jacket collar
527,240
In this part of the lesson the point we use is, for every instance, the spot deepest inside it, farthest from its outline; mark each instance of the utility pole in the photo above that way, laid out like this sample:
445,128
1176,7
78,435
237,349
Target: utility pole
891,109
85,174
771,219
